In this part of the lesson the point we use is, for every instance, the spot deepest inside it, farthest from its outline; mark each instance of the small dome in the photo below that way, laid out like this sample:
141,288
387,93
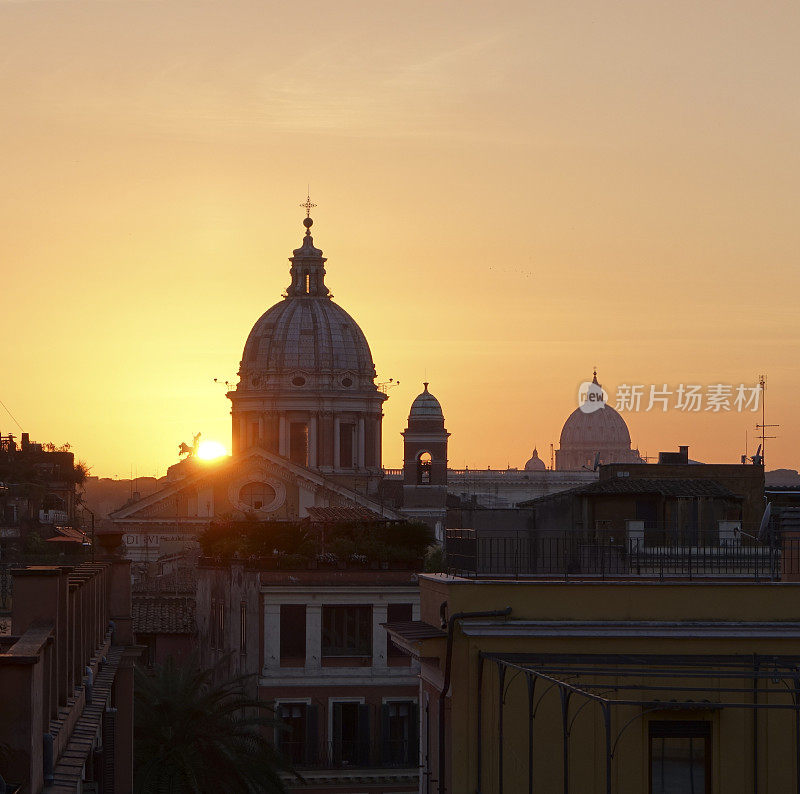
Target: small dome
426,406
603,428
535,463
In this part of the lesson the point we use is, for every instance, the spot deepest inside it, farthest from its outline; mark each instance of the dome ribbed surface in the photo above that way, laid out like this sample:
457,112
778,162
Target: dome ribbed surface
426,406
307,333
603,428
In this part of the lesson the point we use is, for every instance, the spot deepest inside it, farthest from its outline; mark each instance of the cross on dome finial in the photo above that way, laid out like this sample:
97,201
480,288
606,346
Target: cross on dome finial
308,205
308,221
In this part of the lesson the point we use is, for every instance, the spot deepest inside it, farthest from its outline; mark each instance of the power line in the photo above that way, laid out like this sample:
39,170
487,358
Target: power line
11,415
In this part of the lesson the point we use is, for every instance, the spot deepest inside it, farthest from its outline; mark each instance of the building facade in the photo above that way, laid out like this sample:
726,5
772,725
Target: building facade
66,680
315,645
606,686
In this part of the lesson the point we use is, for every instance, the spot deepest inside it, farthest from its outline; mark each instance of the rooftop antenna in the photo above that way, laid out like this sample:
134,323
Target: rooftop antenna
552,457
384,386
226,383
762,382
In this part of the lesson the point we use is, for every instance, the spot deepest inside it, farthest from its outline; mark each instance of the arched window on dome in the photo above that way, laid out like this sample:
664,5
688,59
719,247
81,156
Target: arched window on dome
308,283
424,461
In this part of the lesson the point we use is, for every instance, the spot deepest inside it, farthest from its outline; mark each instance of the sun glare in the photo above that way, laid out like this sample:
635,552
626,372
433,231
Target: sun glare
208,450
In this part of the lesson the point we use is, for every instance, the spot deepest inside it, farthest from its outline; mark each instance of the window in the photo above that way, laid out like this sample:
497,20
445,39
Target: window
400,733
424,461
298,443
293,634
347,631
243,627
256,495
297,738
350,734
212,628
680,757
217,624
346,431
396,613
308,283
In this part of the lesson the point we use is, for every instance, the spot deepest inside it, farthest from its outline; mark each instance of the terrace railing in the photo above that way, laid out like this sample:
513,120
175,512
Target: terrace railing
650,553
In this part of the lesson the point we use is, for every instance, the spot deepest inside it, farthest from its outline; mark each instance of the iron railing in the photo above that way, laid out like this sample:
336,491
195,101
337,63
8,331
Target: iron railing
649,554
351,754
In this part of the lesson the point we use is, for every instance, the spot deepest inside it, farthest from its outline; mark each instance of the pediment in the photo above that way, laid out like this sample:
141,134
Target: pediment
254,465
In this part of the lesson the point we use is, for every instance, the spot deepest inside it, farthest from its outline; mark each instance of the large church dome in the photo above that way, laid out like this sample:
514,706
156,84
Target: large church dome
602,428
306,339
307,388
594,436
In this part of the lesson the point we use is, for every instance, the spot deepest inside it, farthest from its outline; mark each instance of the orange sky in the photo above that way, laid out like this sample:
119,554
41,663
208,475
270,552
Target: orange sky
507,196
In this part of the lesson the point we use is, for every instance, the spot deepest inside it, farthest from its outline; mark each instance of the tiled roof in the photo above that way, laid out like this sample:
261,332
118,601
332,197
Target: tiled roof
334,514
68,535
182,580
163,614
664,486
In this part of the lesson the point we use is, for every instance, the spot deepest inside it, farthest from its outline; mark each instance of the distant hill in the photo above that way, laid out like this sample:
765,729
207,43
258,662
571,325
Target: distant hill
782,477
104,495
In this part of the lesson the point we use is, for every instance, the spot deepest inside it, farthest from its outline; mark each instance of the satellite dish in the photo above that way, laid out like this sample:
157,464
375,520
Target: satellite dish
763,527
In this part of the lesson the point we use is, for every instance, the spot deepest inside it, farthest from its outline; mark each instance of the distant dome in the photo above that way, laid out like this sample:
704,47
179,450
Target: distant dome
594,437
426,406
603,428
535,463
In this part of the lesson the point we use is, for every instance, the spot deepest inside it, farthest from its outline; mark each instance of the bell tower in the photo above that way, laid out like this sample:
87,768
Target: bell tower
425,463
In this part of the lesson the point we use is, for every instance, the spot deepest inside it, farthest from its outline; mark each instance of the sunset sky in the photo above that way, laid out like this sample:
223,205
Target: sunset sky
508,194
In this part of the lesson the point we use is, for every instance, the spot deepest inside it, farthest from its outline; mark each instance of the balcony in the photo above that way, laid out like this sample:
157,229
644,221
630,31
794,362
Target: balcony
352,754
53,517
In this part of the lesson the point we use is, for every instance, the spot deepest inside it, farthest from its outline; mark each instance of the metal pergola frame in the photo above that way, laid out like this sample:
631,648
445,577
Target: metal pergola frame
567,672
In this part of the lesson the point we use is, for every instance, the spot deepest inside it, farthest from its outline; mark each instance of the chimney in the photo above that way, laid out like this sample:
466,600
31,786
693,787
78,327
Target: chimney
684,453
26,441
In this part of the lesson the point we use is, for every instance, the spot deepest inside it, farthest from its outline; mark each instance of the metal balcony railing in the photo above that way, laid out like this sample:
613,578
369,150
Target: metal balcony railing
351,754
647,552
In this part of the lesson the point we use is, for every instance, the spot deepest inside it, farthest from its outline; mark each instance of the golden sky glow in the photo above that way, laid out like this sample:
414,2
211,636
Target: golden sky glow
507,195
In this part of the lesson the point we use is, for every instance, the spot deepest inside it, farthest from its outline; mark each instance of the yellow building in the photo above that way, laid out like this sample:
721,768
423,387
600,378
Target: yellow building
617,686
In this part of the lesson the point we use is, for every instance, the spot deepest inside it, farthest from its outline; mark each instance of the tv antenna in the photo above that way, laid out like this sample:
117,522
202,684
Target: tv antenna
384,386
763,426
226,383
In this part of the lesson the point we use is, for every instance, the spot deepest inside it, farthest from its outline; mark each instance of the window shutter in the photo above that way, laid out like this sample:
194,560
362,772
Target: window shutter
109,747
413,736
386,750
312,734
363,734
335,741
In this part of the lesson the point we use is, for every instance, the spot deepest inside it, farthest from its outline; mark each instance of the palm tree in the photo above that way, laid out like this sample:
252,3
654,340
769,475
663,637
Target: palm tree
193,735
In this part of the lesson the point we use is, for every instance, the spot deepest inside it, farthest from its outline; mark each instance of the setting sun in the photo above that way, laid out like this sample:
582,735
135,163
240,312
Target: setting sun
208,450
